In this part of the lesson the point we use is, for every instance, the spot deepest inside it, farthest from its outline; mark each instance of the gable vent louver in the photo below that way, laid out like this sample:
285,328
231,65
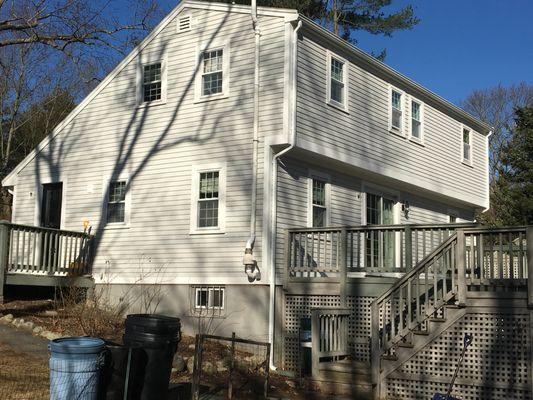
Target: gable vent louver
184,23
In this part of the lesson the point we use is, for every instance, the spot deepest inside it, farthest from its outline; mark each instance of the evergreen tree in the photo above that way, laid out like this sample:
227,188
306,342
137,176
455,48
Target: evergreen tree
512,187
345,17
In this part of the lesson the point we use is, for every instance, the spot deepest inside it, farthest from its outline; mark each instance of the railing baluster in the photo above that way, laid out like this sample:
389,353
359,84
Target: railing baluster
511,263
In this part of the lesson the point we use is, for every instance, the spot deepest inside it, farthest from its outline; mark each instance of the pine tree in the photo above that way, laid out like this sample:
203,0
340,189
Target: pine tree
512,187
345,17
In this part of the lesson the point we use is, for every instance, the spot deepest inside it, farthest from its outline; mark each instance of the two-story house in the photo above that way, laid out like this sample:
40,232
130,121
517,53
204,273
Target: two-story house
222,162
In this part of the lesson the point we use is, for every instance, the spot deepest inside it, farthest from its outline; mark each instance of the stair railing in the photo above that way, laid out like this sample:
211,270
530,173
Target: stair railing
414,298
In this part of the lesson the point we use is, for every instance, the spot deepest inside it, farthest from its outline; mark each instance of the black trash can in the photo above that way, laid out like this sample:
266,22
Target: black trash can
123,373
158,335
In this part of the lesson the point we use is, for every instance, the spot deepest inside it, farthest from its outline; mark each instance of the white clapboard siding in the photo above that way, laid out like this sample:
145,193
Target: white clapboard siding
346,202
363,131
159,145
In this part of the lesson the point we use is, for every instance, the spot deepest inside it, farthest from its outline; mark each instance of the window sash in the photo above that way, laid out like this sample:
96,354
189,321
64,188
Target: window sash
396,110
152,82
208,199
212,72
337,81
116,202
467,148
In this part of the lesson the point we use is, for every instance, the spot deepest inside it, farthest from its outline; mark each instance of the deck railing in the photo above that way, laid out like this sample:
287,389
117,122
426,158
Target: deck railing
471,260
314,253
36,250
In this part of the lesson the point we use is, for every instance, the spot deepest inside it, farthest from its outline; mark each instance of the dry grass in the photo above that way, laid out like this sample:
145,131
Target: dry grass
22,377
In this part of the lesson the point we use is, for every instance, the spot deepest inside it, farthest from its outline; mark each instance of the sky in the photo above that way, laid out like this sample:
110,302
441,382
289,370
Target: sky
460,46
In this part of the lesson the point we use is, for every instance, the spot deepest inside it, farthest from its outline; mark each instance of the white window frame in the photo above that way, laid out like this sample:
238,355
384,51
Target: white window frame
198,91
401,130
140,82
420,139
195,188
465,161
178,22
345,75
316,175
210,290
127,202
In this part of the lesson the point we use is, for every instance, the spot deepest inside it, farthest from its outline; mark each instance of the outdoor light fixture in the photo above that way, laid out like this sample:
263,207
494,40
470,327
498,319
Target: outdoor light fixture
405,209
250,265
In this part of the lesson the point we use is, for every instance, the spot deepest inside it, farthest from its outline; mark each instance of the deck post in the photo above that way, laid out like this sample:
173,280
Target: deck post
529,250
343,260
460,258
375,356
315,343
4,249
408,248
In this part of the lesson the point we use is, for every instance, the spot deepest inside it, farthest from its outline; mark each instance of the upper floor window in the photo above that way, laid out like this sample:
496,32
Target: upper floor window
207,209
116,203
416,120
213,72
396,111
152,82
467,145
337,82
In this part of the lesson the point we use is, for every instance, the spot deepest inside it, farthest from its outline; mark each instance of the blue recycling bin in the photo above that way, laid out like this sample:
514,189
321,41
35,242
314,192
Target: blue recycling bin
75,368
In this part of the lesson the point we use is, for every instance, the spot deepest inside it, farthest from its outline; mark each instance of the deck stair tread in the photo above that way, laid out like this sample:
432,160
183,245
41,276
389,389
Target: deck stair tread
422,332
347,367
405,344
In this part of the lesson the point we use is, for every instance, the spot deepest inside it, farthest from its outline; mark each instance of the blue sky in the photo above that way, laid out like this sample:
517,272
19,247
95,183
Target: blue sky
463,45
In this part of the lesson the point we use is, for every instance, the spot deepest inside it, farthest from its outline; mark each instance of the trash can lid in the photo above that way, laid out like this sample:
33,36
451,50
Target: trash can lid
154,323
77,345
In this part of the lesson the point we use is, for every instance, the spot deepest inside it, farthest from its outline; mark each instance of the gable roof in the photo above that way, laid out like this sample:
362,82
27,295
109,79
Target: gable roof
368,60
10,179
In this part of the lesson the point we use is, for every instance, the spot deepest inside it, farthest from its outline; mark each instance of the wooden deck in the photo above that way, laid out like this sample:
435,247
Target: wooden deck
423,281
38,256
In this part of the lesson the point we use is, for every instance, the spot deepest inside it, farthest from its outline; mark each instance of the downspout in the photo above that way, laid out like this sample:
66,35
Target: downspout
249,260
273,200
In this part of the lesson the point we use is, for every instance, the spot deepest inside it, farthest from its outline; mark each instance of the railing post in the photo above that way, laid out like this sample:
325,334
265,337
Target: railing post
4,253
288,257
343,266
460,258
375,355
408,248
315,342
529,250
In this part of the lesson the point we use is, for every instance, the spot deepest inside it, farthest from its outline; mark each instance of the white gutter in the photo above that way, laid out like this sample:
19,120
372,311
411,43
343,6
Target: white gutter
273,200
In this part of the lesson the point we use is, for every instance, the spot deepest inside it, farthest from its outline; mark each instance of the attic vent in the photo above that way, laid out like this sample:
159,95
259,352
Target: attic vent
184,23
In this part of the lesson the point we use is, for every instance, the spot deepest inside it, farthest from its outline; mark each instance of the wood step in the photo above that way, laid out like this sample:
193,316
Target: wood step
347,367
405,344
389,357
422,332
435,319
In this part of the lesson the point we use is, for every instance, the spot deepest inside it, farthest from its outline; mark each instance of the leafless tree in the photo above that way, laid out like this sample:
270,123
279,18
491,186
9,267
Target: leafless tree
496,107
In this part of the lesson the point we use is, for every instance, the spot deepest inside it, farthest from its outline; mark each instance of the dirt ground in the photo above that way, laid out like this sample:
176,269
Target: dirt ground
22,376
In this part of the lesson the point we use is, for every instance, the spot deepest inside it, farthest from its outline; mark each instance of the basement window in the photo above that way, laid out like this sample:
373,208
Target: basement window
209,298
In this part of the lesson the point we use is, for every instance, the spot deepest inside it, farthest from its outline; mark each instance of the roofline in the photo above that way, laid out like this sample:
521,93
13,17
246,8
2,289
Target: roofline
472,121
10,180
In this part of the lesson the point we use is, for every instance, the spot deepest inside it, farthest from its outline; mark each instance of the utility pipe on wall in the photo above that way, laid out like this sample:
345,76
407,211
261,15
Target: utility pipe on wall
273,200
249,261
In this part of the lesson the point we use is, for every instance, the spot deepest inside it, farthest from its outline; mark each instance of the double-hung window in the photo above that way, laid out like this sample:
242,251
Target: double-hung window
212,72
337,82
318,202
116,202
396,111
467,145
416,120
208,199
152,82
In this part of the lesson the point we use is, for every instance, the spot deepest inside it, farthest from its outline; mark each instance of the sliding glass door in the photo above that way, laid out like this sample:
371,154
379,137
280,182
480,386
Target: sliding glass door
380,246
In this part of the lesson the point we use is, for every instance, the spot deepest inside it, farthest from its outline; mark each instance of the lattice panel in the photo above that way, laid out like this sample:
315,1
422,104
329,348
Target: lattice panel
496,363
298,307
